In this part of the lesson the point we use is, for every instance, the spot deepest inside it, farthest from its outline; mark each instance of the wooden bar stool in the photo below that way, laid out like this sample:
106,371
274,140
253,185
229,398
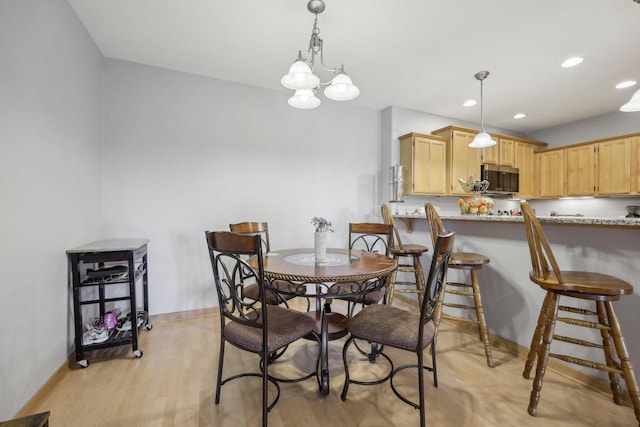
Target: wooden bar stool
471,262
599,288
401,252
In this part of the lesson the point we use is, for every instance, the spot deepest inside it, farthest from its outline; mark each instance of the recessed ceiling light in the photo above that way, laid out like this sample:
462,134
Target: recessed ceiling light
469,103
572,62
519,116
625,84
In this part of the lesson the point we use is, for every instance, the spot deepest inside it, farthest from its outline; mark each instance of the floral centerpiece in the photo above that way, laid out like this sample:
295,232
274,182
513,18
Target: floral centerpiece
322,226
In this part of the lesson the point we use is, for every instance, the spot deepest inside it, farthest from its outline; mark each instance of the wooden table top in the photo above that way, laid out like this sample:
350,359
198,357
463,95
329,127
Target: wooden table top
340,265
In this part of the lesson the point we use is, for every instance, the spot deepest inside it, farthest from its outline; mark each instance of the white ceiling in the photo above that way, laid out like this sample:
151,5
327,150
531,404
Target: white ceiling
417,54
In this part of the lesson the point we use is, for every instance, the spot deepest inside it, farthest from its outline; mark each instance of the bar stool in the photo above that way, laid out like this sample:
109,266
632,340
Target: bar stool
599,288
468,261
401,253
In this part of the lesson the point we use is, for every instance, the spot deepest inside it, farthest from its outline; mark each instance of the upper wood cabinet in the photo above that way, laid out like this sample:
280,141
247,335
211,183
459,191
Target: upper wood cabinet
551,173
502,153
524,160
424,160
490,155
606,167
462,160
580,170
507,149
614,166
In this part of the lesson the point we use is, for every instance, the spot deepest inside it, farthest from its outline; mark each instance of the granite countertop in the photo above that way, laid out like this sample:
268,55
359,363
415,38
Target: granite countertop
559,220
110,246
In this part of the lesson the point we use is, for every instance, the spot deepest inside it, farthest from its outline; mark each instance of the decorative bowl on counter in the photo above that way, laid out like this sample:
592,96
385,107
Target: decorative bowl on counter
476,206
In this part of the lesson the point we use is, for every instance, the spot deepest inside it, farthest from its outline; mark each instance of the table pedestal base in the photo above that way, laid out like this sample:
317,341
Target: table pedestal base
330,326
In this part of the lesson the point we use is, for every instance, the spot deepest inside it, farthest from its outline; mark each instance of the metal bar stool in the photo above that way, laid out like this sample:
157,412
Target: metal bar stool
408,257
602,290
471,262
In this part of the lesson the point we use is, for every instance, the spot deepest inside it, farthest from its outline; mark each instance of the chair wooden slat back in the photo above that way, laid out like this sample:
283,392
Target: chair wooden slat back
254,228
387,217
436,227
543,262
371,237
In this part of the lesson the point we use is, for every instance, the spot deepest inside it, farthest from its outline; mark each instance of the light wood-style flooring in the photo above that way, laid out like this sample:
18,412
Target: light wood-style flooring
173,384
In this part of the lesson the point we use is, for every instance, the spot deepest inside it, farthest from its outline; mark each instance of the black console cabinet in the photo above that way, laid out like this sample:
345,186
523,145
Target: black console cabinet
101,256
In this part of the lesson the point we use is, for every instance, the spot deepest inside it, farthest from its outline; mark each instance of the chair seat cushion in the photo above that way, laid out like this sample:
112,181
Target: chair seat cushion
585,282
253,292
390,326
285,327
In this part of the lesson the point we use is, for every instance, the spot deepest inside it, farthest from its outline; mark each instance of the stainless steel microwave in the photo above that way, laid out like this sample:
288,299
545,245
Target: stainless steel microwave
502,179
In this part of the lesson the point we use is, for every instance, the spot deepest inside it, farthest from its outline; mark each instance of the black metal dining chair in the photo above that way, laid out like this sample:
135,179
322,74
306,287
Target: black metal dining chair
370,237
246,323
402,329
259,229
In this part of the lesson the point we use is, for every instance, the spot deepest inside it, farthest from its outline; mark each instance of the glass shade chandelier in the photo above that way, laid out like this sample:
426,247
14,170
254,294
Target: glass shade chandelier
634,102
304,80
483,139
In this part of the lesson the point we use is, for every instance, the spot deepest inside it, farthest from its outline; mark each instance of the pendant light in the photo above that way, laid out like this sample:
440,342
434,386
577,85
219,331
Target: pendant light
633,104
483,139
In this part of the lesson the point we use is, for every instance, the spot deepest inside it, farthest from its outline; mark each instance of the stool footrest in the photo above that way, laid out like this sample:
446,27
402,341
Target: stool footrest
577,341
461,306
583,323
576,310
405,284
454,292
585,363
462,319
460,285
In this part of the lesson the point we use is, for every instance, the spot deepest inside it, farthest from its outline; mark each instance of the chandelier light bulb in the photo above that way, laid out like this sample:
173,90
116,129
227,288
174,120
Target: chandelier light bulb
304,99
300,76
341,88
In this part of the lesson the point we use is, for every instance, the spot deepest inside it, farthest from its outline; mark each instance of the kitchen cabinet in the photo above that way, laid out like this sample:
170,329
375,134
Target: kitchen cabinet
424,160
635,164
551,173
491,155
107,272
507,152
524,160
502,154
614,166
462,160
580,169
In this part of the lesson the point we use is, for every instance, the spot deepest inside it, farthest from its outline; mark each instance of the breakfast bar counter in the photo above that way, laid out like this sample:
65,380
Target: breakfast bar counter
623,222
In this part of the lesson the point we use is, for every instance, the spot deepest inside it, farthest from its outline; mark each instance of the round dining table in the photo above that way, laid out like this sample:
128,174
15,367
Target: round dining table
343,273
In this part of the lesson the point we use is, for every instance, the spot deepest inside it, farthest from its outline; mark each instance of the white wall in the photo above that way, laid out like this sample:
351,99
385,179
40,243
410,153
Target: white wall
50,184
185,154
600,127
